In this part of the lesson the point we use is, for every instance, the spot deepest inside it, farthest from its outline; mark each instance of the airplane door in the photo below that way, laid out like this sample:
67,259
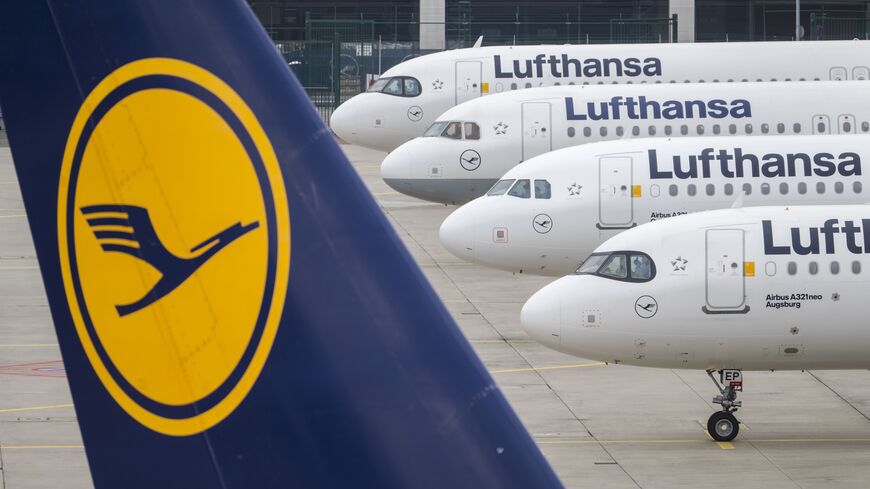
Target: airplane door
838,73
468,75
861,73
821,124
846,124
615,206
725,277
537,138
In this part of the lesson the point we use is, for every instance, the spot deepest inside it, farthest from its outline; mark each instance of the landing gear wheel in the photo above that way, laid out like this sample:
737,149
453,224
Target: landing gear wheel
723,426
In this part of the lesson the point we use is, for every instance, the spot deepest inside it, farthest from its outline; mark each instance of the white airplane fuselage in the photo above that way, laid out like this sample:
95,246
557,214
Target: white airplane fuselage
384,119
450,167
778,288
549,213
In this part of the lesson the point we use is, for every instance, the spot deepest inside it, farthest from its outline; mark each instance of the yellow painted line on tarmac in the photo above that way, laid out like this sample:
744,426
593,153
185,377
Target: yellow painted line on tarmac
724,445
28,345
19,268
13,216
616,442
691,441
512,342
555,367
383,194
41,447
35,408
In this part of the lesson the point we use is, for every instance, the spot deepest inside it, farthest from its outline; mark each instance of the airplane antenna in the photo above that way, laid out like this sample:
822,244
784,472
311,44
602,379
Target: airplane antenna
478,42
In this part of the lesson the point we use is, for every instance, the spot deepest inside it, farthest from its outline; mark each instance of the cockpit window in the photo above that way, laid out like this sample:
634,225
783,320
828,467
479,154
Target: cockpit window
401,86
521,189
500,187
629,266
412,87
614,267
394,87
453,131
435,129
542,189
472,131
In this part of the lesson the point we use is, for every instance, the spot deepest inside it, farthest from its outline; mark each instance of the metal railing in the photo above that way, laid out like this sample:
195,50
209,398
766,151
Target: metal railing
827,27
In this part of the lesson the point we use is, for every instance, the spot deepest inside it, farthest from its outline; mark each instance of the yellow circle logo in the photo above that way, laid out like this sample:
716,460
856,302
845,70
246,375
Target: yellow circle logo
174,240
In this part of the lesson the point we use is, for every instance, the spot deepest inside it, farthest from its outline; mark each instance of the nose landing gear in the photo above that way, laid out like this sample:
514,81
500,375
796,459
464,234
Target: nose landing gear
722,425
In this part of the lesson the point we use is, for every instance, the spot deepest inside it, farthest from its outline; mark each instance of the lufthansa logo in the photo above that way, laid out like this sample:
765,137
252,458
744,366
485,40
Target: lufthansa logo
174,242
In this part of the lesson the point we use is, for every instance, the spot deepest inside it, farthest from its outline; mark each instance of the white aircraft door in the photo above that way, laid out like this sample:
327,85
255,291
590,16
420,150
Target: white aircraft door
838,73
821,124
725,277
537,138
860,73
468,75
846,124
615,206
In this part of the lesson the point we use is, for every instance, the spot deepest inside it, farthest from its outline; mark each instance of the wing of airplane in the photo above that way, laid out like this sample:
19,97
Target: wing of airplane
306,351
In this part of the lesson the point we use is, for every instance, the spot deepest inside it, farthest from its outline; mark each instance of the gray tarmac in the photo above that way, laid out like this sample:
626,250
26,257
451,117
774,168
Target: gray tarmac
600,426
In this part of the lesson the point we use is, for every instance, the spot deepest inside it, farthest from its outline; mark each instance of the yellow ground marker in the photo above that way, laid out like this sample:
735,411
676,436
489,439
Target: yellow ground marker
724,445
13,216
535,369
35,408
28,345
19,268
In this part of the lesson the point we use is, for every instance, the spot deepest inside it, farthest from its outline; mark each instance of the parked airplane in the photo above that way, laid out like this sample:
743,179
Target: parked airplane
408,97
273,353
472,145
763,288
546,215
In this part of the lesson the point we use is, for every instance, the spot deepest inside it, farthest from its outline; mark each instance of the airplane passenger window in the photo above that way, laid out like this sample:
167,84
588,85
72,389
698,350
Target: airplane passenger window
748,128
802,188
570,132
528,85
865,126
691,190
668,130
821,127
635,130
619,130
684,129
472,131
797,128
820,187
587,132
521,189
780,128
716,129
814,268
453,130
732,128
542,189
765,188
603,131
792,268
711,189
435,129
783,188
747,189
847,126
412,87
673,190
700,129
640,267
856,267
856,187
394,87
765,128
615,267
500,187
770,268
729,189
652,130
513,86
835,268
838,187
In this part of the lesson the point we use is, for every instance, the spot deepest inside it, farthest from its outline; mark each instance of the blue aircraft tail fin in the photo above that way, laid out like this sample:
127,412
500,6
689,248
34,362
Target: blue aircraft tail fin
232,307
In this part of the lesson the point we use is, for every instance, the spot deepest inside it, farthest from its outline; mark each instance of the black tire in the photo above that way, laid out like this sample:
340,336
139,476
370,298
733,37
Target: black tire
723,426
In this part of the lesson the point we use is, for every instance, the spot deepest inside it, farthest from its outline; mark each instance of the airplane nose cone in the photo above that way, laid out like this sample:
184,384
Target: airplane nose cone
396,169
541,317
457,233
343,123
